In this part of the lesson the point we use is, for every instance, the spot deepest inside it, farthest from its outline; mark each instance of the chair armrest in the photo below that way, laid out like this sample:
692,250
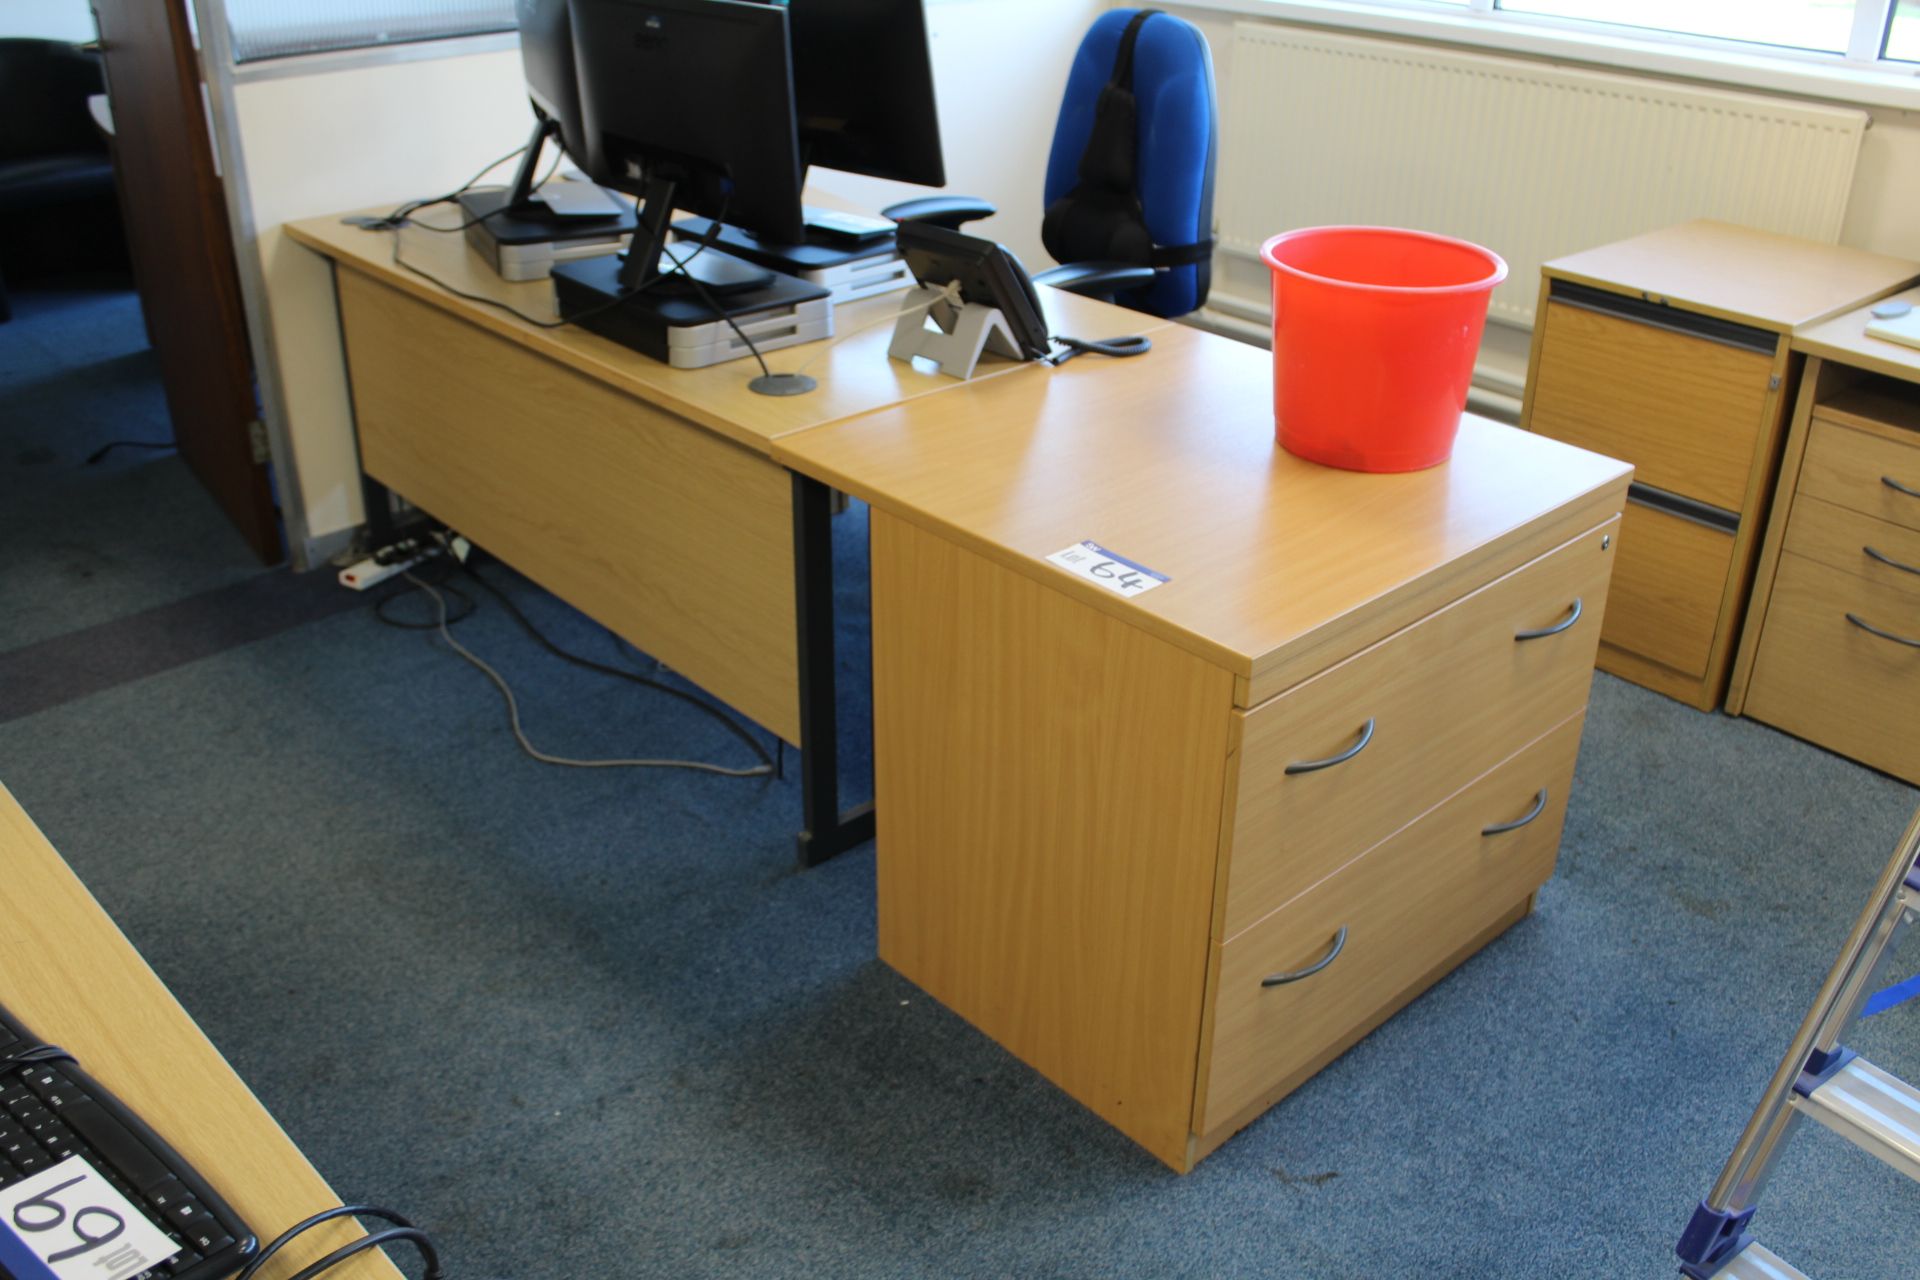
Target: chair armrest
1096,279
942,211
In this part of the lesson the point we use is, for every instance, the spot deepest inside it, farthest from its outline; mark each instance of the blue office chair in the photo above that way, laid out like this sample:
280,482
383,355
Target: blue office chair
1129,190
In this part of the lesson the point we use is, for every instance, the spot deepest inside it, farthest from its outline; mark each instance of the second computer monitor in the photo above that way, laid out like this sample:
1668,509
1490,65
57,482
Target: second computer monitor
546,57
695,92
863,84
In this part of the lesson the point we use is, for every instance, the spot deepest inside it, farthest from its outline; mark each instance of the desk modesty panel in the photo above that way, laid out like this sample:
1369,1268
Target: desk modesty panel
69,974
641,494
1106,822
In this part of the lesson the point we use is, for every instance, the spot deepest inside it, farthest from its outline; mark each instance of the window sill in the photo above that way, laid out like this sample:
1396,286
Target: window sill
1509,33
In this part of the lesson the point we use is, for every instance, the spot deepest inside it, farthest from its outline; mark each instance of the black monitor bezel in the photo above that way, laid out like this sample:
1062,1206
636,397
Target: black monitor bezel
756,185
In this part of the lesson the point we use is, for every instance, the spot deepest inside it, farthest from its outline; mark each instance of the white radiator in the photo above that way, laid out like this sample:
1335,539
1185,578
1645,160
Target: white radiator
1529,159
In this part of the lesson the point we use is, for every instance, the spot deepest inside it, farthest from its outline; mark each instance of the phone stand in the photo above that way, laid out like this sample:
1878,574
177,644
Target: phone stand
964,332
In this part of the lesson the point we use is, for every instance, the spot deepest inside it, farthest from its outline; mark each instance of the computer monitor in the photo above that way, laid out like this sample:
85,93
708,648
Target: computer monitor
520,232
863,89
689,103
546,58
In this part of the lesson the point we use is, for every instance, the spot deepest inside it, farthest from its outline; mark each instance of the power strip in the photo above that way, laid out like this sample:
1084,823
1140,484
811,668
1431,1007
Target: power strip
371,572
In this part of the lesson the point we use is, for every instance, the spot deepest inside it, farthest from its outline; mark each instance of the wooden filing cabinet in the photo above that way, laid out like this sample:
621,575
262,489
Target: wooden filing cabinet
1336,743
1832,652
1673,351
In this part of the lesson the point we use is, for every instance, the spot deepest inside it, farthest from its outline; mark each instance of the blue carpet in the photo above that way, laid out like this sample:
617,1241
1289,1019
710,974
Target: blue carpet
585,1023
83,545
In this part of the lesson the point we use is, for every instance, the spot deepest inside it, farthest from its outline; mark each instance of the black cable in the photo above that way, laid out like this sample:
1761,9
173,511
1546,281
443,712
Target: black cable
375,1241
402,591
380,608
286,1237
98,455
617,301
33,1055
706,297
1133,344
740,731
491,213
394,220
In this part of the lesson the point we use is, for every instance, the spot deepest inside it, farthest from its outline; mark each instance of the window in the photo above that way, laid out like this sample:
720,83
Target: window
281,28
1903,36
1863,52
1860,31
1820,25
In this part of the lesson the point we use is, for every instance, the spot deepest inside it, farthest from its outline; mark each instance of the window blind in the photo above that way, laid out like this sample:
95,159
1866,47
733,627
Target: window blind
264,29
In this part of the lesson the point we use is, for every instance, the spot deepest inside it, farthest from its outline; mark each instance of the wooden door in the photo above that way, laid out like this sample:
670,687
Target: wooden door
182,250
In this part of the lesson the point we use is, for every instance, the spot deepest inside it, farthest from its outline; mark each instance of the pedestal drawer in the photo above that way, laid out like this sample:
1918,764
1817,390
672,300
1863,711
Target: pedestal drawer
1685,410
1668,587
1876,474
1823,675
1876,550
1386,921
1332,767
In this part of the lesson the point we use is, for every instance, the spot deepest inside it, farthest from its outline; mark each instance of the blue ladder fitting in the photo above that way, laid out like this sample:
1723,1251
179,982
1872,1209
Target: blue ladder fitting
1712,1237
1822,1067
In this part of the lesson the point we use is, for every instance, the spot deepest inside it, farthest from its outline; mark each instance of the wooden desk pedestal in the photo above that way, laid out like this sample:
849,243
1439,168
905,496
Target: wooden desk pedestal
1096,843
1832,648
1672,350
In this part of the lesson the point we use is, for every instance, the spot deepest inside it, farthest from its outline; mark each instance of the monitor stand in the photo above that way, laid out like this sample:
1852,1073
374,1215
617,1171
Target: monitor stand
631,301
522,237
851,269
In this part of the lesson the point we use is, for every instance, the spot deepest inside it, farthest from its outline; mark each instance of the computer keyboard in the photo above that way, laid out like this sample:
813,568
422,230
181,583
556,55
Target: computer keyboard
51,1110
847,226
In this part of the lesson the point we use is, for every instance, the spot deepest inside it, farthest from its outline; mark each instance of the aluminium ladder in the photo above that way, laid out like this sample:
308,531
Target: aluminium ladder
1821,1078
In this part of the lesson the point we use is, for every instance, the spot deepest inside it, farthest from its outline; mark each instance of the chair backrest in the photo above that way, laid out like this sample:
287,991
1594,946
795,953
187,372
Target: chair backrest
44,86
1174,164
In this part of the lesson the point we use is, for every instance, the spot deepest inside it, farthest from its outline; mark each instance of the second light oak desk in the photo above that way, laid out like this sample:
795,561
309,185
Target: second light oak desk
73,978
642,494
1178,851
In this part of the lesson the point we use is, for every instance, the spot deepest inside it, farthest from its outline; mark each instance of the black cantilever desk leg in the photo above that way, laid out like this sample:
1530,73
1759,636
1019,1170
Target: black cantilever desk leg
829,829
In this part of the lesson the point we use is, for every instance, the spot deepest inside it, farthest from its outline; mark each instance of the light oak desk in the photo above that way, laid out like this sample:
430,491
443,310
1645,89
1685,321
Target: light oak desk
74,980
1340,735
645,496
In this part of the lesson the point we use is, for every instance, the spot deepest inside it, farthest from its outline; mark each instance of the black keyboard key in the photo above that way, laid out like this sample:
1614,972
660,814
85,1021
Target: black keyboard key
59,1140
32,1161
117,1144
165,1192
215,1241
187,1215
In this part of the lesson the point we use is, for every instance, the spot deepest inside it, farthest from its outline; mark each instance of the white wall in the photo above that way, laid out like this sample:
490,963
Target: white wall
336,141
1000,68
1880,212
47,19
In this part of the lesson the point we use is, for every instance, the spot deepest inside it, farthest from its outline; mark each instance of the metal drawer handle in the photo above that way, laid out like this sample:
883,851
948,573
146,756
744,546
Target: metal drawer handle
1573,616
1308,766
1886,559
1884,635
1539,805
1281,979
1895,485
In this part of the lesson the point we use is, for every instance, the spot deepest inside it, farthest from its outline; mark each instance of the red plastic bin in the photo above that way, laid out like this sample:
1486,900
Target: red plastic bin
1375,330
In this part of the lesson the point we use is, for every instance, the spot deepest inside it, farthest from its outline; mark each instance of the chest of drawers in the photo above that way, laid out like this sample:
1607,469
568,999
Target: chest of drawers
1673,351
1178,851
1832,652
